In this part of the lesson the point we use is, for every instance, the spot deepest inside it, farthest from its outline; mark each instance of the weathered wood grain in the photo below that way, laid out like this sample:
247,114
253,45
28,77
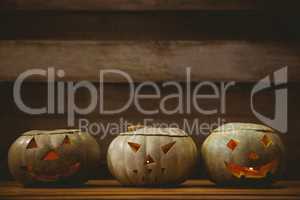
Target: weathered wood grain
151,60
110,189
116,95
128,5
150,26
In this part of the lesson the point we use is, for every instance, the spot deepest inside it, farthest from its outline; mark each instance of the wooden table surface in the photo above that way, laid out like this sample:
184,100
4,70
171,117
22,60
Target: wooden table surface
111,189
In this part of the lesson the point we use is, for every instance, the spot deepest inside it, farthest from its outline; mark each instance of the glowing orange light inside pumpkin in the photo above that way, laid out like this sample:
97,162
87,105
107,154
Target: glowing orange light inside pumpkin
167,147
252,172
134,146
266,141
149,160
32,144
51,155
66,140
232,144
252,156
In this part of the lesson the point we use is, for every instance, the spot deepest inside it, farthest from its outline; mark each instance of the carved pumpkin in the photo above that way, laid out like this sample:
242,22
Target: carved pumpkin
60,156
152,156
241,154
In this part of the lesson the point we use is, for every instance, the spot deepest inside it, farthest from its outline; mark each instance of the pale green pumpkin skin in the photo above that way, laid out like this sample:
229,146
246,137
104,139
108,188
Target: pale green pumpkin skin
215,153
73,165
169,168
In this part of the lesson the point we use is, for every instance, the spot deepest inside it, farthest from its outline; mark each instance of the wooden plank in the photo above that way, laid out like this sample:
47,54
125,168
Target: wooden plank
117,95
150,26
128,5
151,60
191,189
146,5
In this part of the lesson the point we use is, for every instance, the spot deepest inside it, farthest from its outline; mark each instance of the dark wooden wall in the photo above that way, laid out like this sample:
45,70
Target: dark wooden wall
239,41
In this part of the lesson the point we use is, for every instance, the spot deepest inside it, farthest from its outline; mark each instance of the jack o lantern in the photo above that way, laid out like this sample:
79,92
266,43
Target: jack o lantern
152,156
242,154
53,157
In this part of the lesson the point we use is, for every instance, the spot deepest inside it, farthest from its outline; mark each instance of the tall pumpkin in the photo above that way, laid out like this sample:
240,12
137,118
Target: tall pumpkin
53,157
152,156
243,153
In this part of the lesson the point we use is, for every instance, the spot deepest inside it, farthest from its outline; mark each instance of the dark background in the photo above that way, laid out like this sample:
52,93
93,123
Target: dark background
242,41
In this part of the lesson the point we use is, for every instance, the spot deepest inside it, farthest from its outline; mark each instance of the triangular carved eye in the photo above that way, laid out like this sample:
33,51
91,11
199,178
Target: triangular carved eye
266,141
32,144
167,147
66,140
134,146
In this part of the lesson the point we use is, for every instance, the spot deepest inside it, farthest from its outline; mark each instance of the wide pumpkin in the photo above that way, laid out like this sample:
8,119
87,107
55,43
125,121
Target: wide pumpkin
152,156
53,157
243,153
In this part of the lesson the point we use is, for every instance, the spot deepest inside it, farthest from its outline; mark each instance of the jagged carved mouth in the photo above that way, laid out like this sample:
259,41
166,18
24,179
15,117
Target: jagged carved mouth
53,177
255,172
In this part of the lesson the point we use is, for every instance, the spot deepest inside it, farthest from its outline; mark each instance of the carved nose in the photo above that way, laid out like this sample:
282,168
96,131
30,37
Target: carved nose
252,156
148,160
51,155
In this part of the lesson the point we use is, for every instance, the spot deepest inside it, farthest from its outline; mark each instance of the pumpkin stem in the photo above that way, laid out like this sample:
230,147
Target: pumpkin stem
134,127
